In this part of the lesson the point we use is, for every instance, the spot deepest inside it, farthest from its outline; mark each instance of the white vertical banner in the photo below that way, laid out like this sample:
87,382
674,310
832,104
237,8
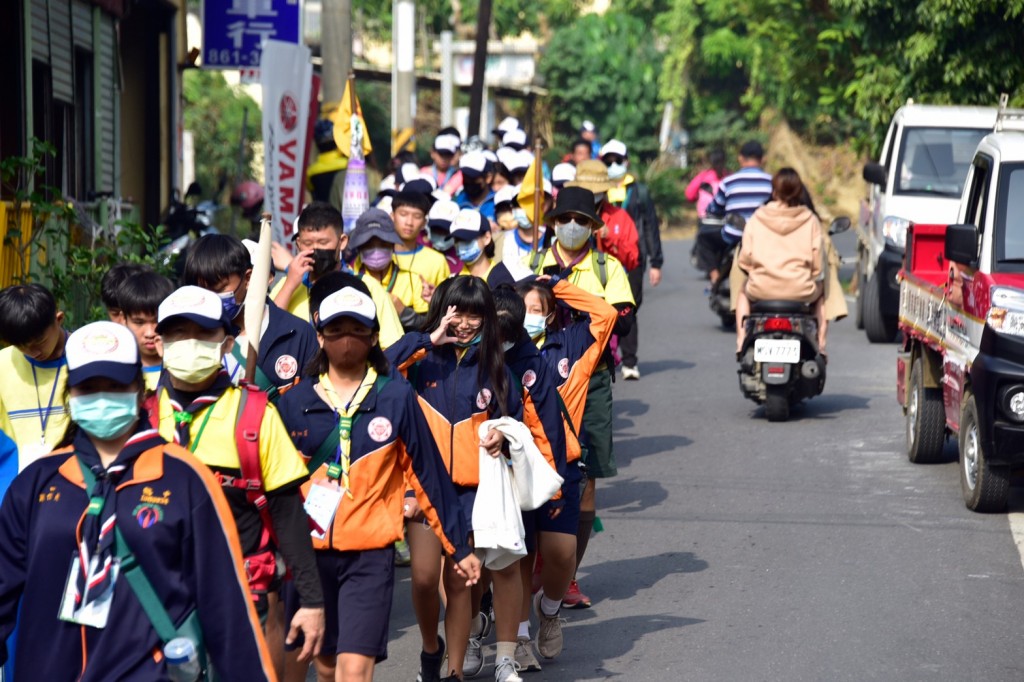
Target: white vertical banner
286,74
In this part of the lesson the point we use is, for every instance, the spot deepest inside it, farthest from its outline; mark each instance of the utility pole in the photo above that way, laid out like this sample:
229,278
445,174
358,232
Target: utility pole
404,45
447,78
335,47
476,93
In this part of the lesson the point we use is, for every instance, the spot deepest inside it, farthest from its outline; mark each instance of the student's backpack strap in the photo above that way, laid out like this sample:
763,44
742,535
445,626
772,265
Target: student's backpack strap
329,447
251,408
261,379
600,264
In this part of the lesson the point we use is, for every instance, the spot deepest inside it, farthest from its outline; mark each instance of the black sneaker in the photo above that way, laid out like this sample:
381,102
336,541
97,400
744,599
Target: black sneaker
430,664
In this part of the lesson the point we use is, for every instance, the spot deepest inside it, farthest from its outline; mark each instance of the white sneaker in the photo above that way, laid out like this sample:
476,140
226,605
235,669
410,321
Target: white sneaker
549,632
473,663
630,373
525,659
506,670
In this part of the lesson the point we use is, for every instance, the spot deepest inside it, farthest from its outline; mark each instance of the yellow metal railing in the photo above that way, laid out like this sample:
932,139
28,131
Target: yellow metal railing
15,233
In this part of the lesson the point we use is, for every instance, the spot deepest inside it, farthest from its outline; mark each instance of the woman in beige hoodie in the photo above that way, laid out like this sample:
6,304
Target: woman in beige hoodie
781,253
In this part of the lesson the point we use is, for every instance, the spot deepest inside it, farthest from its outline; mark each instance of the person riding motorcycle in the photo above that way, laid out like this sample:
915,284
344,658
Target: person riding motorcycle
781,253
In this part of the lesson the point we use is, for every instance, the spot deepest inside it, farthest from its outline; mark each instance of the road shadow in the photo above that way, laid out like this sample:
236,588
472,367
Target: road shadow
627,449
623,578
622,410
667,365
827,406
625,495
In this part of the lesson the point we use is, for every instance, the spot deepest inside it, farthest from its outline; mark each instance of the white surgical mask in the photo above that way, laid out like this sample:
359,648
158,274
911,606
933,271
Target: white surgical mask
572,235
616,170
192,360
522,220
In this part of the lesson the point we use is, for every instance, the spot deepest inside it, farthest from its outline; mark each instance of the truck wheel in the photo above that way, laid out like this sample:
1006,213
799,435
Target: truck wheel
858,306
926,419
985,488
776,404
880,329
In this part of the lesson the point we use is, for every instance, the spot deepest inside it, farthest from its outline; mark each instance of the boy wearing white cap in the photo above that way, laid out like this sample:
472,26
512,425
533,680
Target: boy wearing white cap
477,174
240,436
445,155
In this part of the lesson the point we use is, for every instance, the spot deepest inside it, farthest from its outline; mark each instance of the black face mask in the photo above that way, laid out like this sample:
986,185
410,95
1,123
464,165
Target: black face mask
324,261
474,190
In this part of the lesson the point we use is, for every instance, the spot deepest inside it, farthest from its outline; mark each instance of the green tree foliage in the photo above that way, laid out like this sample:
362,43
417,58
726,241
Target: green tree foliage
213,112
605,69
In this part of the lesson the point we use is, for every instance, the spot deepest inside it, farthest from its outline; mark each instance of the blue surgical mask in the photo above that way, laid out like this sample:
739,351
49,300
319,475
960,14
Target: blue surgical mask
105,415
507,345
521,218
230,305
468,252
535,325
440,242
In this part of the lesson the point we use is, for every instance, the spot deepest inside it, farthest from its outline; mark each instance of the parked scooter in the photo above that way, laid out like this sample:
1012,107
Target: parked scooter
780,363
185,224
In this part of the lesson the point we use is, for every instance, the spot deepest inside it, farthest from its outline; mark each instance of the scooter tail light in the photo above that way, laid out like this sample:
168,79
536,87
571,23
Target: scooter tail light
778,324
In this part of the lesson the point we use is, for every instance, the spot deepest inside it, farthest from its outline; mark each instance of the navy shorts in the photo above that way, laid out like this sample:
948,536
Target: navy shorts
358,587
539,520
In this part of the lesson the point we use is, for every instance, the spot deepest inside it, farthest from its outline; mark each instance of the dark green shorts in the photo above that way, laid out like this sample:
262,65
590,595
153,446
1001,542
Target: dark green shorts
597,427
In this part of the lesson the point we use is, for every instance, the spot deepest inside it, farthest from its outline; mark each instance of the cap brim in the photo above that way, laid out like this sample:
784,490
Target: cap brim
389,237
201,320
115,371
361,319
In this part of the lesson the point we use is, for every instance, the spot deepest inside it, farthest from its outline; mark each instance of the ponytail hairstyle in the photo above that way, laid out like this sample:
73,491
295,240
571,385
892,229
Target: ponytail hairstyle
787,187
470,295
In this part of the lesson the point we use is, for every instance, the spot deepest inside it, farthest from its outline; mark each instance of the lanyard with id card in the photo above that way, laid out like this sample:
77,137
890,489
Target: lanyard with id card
324,497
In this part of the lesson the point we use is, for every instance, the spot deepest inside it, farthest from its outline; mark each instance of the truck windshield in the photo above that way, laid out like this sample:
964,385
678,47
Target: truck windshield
934,161
1009,219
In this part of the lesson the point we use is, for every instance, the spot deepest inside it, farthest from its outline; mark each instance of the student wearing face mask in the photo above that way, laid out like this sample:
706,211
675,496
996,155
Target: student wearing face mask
477,174
364,436
197,407
635,198
127,506
574,258
439,227
320,238
223,264
458,371
473,243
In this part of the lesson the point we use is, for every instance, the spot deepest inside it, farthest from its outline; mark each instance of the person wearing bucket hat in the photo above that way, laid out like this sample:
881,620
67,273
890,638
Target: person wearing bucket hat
618,236
320,240
366,436
125,504
635,198
196,406
574,257
445,156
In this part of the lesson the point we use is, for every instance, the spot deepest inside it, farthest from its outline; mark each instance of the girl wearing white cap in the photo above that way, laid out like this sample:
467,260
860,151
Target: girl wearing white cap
153,546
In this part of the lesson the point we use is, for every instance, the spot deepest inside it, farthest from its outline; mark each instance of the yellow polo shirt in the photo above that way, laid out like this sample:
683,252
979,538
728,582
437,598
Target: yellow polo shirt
406,285
425,262
585,276
390,326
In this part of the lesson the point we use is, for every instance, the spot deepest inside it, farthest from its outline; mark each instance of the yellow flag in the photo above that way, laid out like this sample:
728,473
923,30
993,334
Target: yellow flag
528,196
342,119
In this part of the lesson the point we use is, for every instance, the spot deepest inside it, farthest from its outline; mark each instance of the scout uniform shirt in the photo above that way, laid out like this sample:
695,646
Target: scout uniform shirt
32,409
424,261
287,344
406,285
585,274
390,325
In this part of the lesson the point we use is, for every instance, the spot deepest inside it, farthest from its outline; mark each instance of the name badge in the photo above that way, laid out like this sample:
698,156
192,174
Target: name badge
321,505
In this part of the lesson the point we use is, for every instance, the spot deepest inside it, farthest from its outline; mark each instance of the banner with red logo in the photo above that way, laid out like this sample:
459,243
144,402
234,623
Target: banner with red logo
286,74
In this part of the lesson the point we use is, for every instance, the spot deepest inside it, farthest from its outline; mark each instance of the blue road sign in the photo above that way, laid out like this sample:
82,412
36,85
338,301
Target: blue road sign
234,30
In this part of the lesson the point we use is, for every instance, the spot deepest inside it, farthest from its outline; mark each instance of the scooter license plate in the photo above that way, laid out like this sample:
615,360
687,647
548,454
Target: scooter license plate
777,350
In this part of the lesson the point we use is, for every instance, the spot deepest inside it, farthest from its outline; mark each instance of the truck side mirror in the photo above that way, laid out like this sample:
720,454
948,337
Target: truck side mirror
875,174
961,244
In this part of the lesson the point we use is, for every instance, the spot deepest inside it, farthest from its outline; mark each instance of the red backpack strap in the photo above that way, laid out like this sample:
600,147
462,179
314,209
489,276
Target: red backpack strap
151,403
251,408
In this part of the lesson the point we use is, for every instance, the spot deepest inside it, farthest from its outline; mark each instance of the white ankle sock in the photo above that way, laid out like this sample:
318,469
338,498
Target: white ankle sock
524,629
549,607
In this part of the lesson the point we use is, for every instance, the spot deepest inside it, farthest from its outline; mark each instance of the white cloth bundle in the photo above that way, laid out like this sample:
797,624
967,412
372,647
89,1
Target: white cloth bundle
535,480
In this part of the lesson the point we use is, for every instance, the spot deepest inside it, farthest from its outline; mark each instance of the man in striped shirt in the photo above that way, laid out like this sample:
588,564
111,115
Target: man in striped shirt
743,192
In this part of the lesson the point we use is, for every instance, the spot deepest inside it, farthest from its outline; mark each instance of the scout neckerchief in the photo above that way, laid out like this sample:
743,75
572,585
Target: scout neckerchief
44,415
345,414
96,540
186,407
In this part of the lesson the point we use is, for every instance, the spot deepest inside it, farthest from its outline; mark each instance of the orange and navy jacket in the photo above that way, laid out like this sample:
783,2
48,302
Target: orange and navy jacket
175,519
541,411
575,352
454,400
391,444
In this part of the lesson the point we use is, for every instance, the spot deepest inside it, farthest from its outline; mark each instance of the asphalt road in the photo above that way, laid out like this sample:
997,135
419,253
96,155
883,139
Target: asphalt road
736,549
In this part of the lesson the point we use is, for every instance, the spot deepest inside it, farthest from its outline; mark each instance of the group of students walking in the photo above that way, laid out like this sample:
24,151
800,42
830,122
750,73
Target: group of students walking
166,495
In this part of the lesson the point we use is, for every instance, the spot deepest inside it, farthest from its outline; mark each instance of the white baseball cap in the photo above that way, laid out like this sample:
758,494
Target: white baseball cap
514,137
507,156
613,146
505,195
347,302
563,172
103,349
443,212
468,225
192,303
474,164
447,143
508,123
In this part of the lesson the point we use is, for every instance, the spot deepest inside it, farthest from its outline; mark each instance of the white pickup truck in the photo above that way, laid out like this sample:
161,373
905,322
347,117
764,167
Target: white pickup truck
918,179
